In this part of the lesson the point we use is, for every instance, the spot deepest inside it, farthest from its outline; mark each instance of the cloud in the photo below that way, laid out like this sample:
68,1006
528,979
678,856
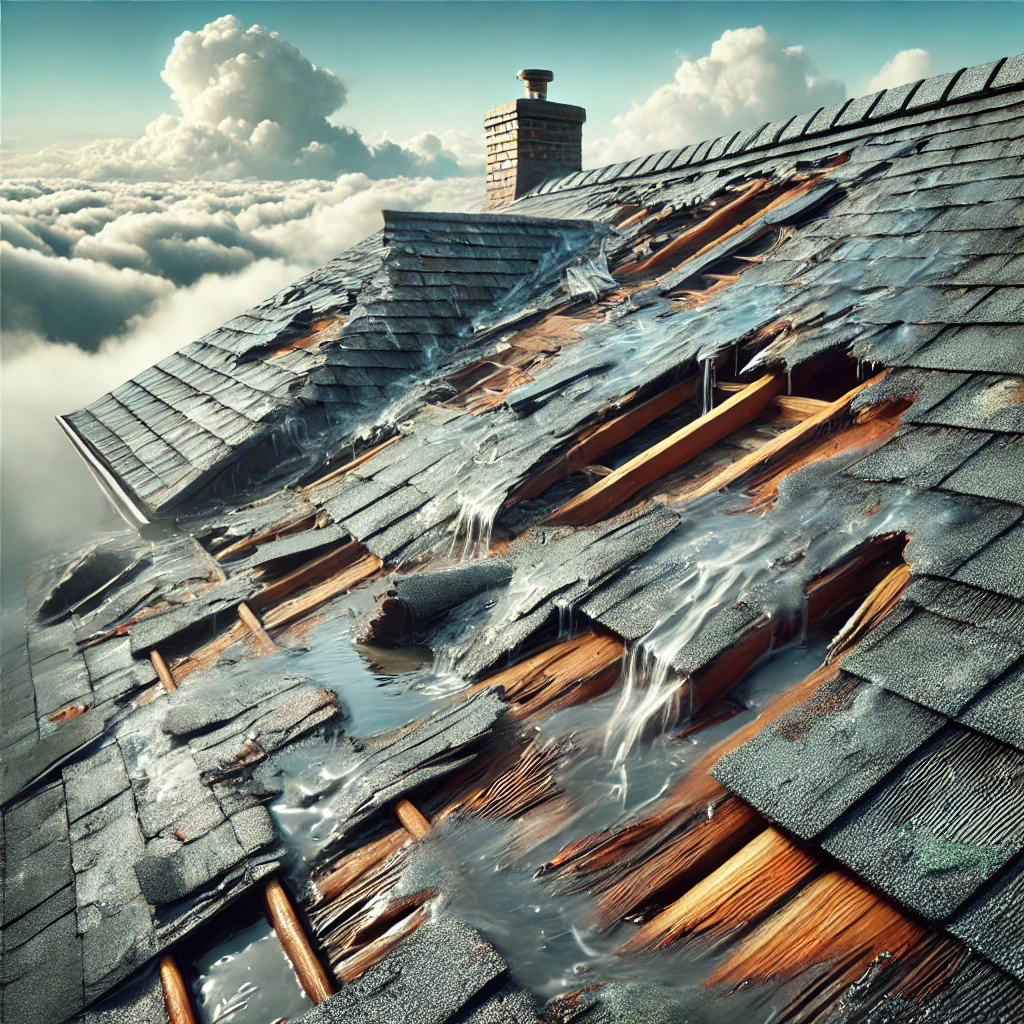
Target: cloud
62,298
250,105
747,78
905,66
80,261
48,501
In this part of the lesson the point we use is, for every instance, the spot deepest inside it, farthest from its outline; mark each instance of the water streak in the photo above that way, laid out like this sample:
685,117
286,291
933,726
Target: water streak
654,693
707,385
475,525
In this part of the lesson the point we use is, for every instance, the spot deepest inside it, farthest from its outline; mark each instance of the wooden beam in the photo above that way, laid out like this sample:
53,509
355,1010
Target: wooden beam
700,233
794,193
783,444
252,623
619,486
179,1009
598,440
285,922
163,671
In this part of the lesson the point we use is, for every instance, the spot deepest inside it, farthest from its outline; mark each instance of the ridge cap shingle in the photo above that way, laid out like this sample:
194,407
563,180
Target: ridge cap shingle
1002,75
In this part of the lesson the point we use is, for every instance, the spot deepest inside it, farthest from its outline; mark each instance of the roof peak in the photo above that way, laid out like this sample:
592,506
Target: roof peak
926,94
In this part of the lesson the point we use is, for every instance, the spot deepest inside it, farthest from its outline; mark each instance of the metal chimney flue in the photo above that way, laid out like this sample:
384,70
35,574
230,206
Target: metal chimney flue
536,80
530,140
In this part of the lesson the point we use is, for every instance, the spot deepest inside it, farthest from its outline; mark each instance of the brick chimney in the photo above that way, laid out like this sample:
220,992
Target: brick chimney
530,140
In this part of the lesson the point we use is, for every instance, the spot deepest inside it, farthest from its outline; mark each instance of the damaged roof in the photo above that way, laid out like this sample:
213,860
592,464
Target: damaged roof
609,449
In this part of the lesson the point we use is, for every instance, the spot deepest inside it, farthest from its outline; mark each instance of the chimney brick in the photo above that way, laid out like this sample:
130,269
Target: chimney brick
529,141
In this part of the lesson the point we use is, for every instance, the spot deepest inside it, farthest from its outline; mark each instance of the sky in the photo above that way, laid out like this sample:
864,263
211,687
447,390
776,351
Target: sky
168,165
73,71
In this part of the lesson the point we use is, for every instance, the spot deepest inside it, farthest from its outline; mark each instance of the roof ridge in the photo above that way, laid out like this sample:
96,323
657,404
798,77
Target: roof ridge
934,93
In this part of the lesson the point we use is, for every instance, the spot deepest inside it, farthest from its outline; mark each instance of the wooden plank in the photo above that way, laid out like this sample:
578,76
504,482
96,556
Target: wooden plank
597,440
412,819
619,486
278,530
285,922
309,572
739,892
783,444
797,408
702,232
358,862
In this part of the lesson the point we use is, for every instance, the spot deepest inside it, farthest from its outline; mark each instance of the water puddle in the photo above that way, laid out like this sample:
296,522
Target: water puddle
378,688
246,979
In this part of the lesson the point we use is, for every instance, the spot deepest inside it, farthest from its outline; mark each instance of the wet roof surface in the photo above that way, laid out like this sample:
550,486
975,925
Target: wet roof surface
461,358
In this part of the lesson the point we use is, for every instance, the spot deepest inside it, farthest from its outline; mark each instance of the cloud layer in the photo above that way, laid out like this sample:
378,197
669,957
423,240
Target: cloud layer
80,261
251,105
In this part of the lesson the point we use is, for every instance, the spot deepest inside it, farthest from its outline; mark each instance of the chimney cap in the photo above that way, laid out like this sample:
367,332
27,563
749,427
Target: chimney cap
536,80
535,75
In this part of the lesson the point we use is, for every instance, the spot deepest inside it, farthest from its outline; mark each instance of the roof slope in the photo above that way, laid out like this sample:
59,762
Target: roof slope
330,344
605,455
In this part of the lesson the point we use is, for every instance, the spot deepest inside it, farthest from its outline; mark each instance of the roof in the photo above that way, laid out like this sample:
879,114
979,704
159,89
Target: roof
603,463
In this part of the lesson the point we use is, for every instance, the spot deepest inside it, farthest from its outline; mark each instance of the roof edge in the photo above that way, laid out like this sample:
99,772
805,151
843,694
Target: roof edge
926,94
123,502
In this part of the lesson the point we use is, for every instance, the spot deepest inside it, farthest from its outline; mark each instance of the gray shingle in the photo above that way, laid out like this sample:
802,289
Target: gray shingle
942,826
807,767
997,712
932,660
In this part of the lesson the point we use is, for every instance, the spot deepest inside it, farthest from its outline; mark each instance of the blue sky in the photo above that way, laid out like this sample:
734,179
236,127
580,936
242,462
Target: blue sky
77,71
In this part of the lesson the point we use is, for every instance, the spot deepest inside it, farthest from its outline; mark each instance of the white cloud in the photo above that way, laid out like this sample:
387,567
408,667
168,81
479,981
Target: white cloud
747,78
250,105
47,499
905,66
80,261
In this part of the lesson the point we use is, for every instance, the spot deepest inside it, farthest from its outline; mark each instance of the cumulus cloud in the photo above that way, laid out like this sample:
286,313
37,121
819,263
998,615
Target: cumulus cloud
905,66
250,105
747,78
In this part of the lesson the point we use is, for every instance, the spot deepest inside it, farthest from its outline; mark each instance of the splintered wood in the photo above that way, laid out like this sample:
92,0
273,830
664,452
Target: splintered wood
711,228
834,918
567,673
320,580
757,877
